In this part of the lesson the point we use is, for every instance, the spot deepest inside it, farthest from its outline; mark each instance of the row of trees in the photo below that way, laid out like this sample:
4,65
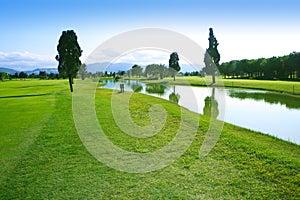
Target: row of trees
24,75
153,71
285,67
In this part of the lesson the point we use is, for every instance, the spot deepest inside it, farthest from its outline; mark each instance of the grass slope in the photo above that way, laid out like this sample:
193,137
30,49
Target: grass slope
45,159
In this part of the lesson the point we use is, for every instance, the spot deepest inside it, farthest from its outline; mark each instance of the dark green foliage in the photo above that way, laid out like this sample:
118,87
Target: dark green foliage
3,76
136,70
289,101
155,71
173,64
136,87
23,75
43,75
155,88
283,68
212,56
193,73
68,56
173,97
16,75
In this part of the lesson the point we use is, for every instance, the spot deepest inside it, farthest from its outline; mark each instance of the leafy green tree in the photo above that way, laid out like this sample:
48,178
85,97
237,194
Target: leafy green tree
3,76
23,75
16,75
136,70
83,71
163,71
152,71
43,75
297,65
269,68
212,56
32,75
173,64
223,69
284,67
242,65
52,76
68,56
292,65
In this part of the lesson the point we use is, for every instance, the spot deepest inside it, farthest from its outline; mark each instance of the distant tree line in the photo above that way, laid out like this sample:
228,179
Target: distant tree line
25,75
194,73
283,68
154,71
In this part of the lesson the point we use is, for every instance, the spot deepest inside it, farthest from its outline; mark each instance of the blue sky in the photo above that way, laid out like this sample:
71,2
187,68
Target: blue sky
30,29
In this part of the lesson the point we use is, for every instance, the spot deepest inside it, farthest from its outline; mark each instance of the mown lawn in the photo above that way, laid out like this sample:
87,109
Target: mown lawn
43,157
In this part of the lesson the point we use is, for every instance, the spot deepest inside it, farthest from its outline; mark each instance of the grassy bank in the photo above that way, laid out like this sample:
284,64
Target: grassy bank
278,86
43,157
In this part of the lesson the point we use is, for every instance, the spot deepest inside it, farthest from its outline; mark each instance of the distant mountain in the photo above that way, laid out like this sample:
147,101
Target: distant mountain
47,70
97,67
7,70
34,71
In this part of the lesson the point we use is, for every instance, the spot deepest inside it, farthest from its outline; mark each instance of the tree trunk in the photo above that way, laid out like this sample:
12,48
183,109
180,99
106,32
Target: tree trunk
71,83
174,77
213,76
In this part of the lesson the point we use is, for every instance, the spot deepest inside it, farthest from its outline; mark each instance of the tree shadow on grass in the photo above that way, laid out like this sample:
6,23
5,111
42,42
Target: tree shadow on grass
25,95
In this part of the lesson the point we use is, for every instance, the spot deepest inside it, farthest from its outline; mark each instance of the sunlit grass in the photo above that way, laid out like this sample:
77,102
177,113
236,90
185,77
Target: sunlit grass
43,157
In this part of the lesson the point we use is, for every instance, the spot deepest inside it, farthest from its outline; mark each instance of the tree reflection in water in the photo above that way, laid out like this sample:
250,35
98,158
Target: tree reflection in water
154,88
211,106
173,97
136,87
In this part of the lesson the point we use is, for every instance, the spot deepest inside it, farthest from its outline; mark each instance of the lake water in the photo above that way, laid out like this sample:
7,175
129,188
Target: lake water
272,113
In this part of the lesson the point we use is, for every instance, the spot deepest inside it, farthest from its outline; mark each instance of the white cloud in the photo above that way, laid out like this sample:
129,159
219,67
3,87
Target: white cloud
145,57
26,60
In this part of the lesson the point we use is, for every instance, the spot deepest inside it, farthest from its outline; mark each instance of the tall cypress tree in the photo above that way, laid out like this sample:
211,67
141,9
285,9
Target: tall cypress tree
69,52
212,56
173,64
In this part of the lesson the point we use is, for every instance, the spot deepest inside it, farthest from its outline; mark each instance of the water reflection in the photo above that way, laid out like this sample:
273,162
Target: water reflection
173,97
211,106
136,87
154,88
288,101
267,112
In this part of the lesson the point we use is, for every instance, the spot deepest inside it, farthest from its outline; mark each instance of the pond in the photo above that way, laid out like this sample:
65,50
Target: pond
267,112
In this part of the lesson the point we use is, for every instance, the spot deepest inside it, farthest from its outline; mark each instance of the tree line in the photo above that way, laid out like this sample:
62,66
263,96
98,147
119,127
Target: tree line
156,71
25,75
284,68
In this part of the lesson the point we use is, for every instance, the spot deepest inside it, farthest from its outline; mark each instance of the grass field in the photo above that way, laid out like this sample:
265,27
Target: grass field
42,156
278,86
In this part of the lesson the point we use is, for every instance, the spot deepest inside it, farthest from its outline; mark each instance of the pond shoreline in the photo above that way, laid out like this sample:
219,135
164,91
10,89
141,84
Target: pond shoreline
226,84
273,107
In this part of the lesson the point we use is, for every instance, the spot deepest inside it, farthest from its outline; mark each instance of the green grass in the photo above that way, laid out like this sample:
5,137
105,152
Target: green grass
278,86
42,156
